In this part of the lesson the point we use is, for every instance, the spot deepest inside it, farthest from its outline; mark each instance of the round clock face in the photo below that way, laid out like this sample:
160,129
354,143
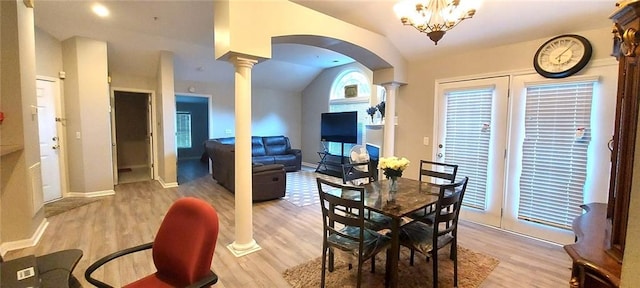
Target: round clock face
562,56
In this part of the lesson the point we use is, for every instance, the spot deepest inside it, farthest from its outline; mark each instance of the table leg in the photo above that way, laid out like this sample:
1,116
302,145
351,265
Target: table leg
393,255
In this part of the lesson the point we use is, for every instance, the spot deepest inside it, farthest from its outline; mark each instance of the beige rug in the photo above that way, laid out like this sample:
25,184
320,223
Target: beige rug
302,189
473,268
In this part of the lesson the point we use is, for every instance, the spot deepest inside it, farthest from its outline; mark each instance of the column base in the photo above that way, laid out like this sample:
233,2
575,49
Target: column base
240,250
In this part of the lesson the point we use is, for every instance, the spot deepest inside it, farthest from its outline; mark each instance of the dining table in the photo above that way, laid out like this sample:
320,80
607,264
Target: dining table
411,195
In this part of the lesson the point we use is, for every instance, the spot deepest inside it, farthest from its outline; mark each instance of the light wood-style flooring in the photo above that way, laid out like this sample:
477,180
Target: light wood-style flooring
289,235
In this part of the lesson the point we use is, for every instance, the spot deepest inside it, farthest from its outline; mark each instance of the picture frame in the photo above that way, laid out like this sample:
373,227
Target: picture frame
350,91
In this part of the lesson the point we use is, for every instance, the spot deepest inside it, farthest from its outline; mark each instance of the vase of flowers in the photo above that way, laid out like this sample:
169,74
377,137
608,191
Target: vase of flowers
392,168
372,111
381,107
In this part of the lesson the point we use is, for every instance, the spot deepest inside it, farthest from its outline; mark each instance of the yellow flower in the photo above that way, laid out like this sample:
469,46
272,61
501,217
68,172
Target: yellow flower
393,166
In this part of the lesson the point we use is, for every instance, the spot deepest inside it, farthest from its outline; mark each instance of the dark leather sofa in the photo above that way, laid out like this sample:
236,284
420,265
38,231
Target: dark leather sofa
269,181
266,150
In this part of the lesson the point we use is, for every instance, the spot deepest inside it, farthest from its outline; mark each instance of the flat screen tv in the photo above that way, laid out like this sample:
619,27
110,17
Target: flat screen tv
339,127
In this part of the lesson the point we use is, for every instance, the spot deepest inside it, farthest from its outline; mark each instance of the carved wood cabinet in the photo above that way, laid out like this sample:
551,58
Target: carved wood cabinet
601,232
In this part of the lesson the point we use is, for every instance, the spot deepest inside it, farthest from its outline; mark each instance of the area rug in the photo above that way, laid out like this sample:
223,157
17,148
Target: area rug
66,204
473,268
302,189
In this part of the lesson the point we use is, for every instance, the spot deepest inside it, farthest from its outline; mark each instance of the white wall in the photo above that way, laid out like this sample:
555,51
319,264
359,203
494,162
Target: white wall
20,127
415,101
88,118
273,112
315,100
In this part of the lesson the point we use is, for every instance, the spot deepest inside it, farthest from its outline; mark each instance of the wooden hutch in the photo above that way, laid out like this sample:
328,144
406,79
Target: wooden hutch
601,231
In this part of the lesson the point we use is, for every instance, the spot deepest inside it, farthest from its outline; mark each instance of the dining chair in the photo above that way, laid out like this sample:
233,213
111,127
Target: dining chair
182,250
438,170
352,172
362,172
438,173
428,239
343,224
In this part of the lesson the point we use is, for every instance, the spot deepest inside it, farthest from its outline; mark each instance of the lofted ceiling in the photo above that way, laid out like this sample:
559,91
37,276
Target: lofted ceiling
137,30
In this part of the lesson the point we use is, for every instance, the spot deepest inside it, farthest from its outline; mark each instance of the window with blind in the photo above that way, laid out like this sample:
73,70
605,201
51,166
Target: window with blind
554,152
468,125
183,127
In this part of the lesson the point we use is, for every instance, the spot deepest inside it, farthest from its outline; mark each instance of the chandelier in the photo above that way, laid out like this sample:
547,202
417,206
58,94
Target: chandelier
435,17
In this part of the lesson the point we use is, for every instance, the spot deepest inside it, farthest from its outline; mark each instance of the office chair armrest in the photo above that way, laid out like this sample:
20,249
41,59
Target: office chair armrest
206,281
106,259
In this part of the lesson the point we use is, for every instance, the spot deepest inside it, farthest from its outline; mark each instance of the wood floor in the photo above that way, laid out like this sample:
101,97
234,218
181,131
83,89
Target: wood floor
289,235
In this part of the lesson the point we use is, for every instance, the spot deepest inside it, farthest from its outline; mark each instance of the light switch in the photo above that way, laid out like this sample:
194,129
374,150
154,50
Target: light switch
77,135
425,141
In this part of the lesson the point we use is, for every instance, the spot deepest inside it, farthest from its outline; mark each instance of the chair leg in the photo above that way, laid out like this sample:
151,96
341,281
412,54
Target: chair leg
324,265
454,255
434,255
330,259
359,279
413,252
373,264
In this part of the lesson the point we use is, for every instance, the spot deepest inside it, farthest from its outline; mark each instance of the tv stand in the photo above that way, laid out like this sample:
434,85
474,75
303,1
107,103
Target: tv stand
331,164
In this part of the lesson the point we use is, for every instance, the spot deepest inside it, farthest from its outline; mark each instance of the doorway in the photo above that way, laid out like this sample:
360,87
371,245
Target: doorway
192,130
534,149
133,137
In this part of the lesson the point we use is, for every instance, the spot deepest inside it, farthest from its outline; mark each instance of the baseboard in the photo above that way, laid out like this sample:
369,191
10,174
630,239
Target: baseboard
134,166
21,244
167,185
310,165
91,194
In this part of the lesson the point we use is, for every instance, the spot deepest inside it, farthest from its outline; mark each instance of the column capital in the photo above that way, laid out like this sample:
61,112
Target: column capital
392,85
243,61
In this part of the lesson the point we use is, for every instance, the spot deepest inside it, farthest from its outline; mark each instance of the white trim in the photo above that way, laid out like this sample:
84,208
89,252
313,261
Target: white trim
91,194
167,185
252,247
133,166
25,243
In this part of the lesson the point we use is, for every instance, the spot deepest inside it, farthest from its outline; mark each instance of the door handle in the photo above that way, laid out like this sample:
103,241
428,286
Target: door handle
440,155
54,138
55,147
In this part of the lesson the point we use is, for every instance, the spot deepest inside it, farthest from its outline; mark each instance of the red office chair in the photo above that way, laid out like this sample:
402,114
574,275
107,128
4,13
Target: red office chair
182,250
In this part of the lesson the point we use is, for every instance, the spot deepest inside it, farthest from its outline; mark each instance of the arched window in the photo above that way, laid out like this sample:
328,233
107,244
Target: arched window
350,92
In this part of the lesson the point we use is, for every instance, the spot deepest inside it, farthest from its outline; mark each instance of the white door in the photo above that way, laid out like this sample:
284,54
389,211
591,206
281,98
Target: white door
558,157
472,129
46,92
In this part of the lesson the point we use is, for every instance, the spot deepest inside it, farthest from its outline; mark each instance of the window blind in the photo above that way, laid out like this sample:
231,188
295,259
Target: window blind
183,127
554,160
468,124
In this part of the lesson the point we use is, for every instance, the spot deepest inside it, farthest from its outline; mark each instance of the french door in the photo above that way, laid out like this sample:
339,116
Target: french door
534,149
472,129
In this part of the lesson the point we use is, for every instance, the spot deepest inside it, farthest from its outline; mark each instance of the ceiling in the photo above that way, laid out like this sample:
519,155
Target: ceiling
137,30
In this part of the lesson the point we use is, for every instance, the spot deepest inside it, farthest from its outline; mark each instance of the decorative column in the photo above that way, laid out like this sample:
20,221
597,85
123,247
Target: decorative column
390,119
244,243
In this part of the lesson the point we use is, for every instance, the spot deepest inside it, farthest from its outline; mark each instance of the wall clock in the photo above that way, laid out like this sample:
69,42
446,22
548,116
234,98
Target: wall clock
562,56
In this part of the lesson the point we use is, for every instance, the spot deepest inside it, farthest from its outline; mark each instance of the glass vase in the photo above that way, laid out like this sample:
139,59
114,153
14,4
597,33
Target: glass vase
393,188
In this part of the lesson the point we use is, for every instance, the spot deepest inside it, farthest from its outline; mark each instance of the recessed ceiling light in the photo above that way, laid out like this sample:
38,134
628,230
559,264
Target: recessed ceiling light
100,10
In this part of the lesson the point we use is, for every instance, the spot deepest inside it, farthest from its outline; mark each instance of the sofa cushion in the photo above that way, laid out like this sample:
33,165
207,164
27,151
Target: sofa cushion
276,145
263,160
257,147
